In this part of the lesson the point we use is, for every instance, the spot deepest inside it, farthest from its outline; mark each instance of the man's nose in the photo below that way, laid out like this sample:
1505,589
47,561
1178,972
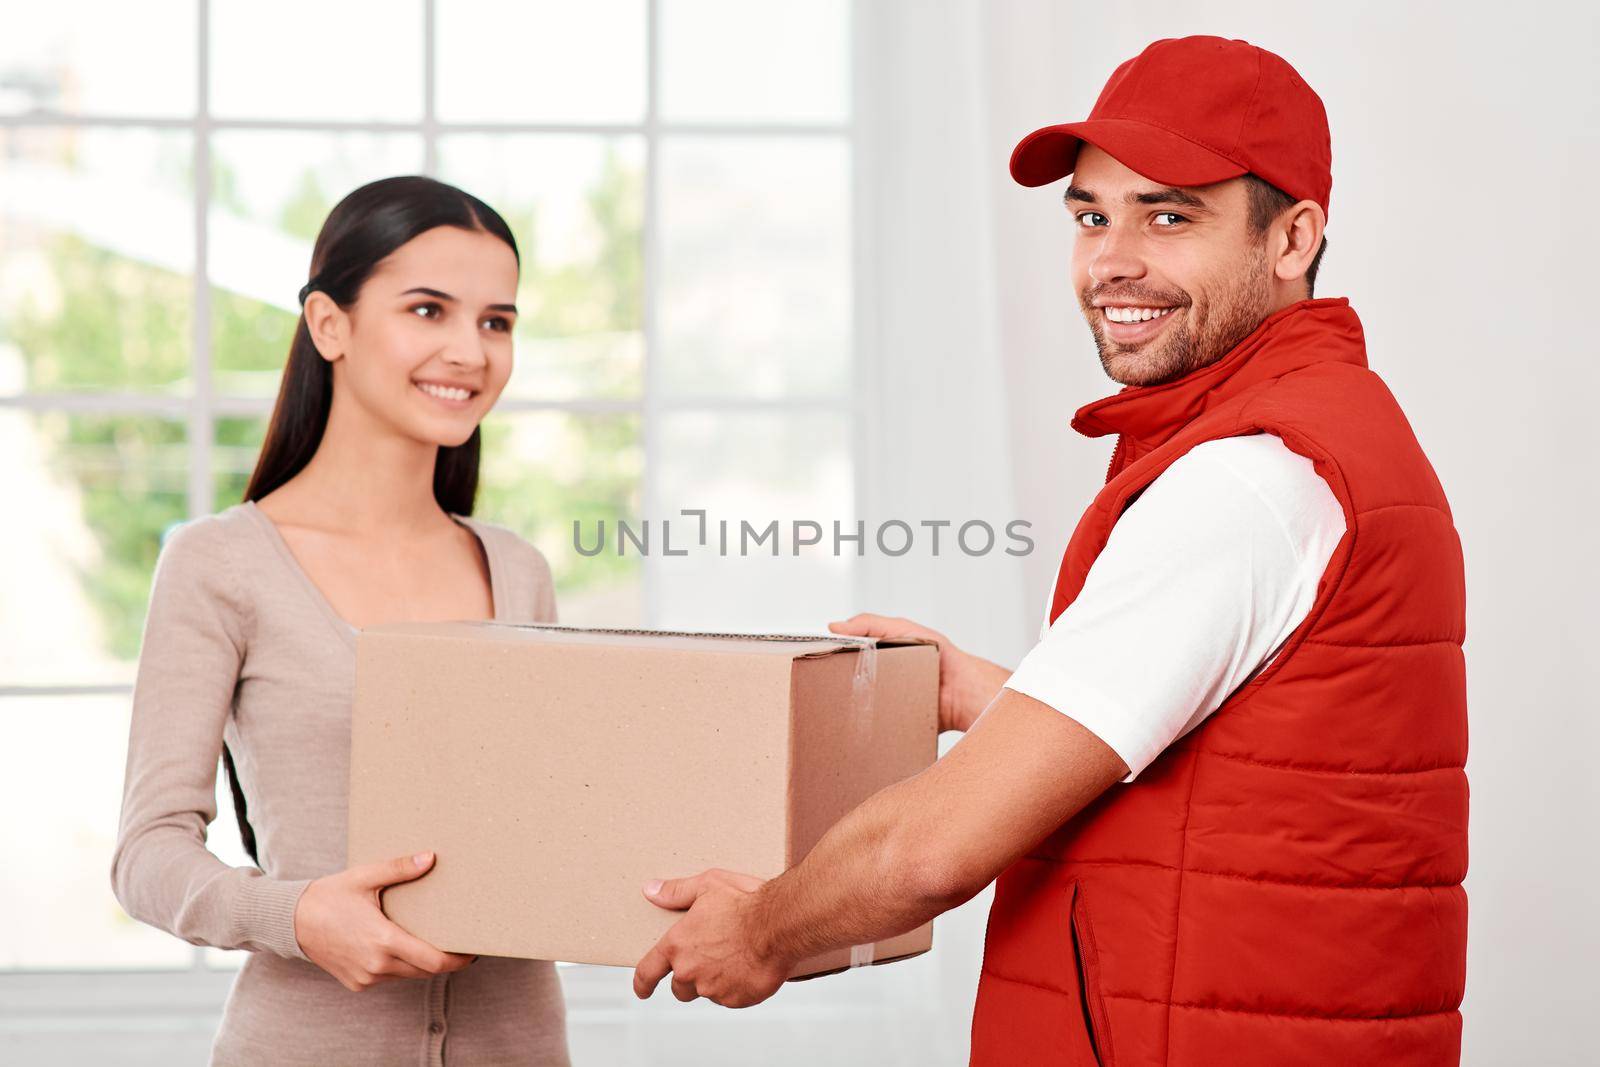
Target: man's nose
1116,258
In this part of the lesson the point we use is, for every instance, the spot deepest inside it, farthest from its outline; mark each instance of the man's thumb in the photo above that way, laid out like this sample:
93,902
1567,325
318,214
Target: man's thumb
399,869
675,893
864,624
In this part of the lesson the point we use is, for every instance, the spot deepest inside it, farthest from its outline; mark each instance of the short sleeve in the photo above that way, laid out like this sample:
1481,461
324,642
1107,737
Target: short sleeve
1202,579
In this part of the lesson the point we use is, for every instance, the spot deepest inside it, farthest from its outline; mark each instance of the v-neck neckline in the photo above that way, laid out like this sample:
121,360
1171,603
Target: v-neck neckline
346,630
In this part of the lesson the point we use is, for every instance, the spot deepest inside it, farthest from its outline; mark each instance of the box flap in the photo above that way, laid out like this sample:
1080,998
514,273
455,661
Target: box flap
789,646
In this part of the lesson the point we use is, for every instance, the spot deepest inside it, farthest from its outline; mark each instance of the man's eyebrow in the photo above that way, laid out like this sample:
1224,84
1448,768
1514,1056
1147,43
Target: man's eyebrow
1167,194
425,291
1170,194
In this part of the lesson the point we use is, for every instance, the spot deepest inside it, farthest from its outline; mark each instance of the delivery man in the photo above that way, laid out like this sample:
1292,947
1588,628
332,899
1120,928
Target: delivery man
1224,795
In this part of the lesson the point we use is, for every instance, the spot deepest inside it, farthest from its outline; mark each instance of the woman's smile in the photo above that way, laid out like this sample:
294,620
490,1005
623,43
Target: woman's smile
454,397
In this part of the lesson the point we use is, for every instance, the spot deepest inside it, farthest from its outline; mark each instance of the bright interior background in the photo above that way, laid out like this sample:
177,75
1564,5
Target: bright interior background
773,268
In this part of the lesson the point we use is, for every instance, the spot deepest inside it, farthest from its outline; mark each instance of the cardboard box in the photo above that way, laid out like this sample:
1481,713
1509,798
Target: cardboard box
554,770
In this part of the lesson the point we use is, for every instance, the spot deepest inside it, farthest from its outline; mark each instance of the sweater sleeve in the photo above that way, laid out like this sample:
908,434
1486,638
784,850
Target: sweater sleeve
161,871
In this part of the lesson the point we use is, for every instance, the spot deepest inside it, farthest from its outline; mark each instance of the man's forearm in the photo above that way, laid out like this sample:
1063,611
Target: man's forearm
980,682
864,881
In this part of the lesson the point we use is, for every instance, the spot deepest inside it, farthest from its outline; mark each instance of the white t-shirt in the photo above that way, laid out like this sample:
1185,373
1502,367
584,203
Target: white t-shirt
1203,578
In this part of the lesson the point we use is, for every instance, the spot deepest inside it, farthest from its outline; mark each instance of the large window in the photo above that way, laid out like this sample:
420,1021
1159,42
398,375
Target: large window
681,192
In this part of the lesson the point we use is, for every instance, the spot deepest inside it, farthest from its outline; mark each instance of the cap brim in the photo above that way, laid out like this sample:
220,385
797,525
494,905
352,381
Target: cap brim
1051,153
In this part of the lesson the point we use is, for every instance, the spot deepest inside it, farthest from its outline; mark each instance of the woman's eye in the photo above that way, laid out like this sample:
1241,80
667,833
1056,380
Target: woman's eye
1169,218
1091,219
498,324
427,307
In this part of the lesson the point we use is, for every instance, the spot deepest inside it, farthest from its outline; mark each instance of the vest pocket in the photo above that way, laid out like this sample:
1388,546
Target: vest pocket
1088,961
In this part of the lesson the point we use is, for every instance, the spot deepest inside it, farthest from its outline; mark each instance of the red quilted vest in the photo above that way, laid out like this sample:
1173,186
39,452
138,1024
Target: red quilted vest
1283,885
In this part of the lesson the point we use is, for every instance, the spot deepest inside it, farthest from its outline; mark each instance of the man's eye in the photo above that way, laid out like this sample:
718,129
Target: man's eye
1090,219
1169,218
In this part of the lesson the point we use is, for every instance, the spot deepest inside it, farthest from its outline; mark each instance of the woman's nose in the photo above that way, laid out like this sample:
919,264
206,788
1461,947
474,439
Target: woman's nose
466,351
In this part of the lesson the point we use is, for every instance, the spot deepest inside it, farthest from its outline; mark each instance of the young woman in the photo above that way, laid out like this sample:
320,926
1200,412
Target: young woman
357,514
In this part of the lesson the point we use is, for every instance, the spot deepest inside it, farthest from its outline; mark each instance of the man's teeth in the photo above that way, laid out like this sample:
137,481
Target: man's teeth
1134,314
444,392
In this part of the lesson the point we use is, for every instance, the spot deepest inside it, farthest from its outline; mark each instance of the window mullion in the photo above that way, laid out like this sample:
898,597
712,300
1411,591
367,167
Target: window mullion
430,122
650,431
201,416
866,456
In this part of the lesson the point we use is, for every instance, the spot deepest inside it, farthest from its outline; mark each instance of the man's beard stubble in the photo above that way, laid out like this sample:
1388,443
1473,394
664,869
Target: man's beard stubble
1199,340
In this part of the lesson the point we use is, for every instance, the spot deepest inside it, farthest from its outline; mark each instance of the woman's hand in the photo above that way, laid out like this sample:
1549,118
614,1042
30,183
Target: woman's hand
342,929
967,683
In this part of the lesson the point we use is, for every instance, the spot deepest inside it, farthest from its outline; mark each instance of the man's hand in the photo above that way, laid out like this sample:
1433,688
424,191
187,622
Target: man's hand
715,950
967,683
909,852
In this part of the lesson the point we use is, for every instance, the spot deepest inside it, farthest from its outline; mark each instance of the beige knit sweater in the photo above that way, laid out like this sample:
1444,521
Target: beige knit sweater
241,647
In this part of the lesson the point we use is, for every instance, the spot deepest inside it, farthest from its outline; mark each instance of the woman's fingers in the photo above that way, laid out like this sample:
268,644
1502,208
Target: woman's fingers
419,954
389,872
343,930
456,961
395,967
391,964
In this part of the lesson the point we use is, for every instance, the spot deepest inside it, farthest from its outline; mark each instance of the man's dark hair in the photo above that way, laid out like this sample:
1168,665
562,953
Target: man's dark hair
1267,202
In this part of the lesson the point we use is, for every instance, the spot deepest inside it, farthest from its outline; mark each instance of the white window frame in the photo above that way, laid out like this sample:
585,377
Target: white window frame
186,1001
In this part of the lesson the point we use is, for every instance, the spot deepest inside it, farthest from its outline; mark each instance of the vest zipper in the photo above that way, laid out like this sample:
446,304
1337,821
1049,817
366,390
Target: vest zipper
1116,452
1086,958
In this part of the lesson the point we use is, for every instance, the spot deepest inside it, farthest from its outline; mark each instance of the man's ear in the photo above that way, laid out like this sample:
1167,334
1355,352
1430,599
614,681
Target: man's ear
1299,233
328,325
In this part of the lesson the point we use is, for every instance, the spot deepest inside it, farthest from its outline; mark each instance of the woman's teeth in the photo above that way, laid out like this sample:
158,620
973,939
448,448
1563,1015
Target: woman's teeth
1134,314
444,392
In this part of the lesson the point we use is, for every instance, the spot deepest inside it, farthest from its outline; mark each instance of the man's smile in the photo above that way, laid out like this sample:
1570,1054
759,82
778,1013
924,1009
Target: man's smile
1134,324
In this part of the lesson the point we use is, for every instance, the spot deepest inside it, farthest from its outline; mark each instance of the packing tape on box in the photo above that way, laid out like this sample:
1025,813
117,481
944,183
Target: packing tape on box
861,690
861,683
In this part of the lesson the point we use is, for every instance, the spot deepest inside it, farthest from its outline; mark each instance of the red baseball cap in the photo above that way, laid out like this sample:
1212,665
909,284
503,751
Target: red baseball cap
1196,110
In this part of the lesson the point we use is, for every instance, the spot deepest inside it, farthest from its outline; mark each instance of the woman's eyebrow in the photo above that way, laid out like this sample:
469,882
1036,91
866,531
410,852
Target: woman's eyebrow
425,291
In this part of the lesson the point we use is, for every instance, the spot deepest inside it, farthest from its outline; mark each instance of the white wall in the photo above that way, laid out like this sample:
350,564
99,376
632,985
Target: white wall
1463,228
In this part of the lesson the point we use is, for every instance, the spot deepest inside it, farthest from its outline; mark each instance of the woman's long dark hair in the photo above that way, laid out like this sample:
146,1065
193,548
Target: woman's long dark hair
360,232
